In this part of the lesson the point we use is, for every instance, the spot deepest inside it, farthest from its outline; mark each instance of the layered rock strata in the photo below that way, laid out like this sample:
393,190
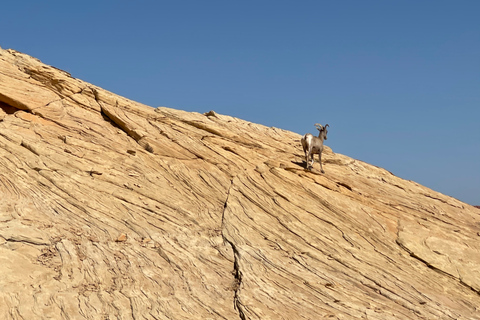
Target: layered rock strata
111,209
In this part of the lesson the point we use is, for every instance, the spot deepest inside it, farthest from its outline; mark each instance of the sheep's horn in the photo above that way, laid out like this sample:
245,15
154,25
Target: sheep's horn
327,125
318,126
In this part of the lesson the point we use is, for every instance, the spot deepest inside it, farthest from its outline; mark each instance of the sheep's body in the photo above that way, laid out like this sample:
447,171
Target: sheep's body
314,145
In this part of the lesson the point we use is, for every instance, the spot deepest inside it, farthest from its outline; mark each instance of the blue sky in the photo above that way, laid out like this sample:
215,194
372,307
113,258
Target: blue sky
398,81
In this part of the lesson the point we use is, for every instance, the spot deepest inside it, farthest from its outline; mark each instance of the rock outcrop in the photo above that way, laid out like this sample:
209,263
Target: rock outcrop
111,209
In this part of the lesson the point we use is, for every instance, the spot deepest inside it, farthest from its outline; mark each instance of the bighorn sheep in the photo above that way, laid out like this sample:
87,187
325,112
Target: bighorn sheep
314,145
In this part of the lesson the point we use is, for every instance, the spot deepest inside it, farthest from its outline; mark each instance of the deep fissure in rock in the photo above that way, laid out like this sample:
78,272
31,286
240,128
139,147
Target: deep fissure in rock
8,109
237,273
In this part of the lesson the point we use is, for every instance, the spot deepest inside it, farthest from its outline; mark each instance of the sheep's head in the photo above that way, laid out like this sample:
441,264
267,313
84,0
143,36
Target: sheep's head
321,129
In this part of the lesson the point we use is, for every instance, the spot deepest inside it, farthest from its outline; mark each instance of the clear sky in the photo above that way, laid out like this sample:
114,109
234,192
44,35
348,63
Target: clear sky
398,81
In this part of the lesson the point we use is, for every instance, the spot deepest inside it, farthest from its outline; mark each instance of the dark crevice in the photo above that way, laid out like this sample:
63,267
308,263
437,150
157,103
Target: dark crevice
27,240
344,185
120,124
237,273
107,119
30,147
7,101
229,149
8,109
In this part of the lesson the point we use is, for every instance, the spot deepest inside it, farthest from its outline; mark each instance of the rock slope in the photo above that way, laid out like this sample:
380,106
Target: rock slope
111,209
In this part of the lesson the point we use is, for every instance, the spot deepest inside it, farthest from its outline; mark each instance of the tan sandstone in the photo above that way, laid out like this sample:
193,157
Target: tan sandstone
111,209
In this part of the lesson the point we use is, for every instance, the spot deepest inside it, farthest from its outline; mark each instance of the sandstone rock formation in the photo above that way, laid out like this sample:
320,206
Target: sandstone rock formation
115,210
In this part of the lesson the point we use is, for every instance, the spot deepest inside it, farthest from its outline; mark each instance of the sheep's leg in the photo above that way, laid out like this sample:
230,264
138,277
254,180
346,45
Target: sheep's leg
313,160
320,160
307,157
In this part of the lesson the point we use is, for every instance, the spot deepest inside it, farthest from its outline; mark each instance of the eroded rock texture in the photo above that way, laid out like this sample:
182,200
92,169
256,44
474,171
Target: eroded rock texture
115,210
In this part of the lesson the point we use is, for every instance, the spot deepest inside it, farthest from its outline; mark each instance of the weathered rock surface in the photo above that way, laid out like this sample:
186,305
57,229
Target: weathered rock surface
115,210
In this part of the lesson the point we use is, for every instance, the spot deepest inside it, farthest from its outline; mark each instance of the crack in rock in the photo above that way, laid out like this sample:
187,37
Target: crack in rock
236,264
